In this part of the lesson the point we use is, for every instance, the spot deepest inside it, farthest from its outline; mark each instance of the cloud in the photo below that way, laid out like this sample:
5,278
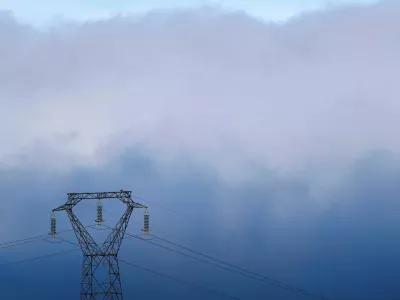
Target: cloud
102,106
222,88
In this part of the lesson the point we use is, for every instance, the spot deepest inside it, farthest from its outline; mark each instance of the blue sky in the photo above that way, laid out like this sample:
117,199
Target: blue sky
349,251
44,12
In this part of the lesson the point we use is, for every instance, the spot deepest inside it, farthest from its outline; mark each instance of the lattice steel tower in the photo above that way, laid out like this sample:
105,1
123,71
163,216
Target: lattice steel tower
100,270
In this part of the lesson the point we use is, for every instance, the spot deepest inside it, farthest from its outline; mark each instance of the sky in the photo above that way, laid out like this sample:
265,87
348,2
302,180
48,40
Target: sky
273,143
43,12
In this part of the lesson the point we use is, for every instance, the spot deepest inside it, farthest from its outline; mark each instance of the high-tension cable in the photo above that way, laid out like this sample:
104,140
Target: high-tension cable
237,269
24,242
167,276
32,238
38,257
37,238
242,272
270,280
195,286
145,269
77,197
125,262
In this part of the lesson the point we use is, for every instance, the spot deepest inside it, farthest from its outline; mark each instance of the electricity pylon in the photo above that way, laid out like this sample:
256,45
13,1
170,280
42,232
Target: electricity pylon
100,270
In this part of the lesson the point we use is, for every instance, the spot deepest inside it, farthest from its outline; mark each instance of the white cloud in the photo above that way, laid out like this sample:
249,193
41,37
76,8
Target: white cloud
220,87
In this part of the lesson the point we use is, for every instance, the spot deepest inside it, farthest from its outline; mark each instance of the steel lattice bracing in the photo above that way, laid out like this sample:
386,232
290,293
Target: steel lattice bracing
75,198
100,269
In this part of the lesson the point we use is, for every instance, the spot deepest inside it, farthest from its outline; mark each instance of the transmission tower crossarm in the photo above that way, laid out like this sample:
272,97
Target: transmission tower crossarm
75,198
99,195
138,205
67,206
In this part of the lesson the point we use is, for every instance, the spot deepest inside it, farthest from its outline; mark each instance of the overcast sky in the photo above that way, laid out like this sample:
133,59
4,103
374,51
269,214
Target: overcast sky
175,104
220,87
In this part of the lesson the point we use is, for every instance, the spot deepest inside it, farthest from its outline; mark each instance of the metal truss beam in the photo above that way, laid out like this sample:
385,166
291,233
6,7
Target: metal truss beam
75,198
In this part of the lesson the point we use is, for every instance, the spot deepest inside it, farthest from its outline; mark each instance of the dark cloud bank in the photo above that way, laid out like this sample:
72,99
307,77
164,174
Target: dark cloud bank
337,237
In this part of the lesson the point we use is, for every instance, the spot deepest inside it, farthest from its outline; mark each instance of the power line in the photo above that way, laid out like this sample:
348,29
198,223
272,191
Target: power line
240,272
38,257
31,239
193,257
69,242
260,277
23,243
43,237
148,270
21,240
168,276
181,281
35,237
157,204
128,263
272,281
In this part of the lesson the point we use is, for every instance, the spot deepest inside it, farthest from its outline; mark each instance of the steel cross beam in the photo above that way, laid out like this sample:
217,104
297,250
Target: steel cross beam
100,269
75,198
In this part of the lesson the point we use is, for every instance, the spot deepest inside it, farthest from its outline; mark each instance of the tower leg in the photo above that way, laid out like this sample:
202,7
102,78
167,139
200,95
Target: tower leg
88,282
100,278
114,279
